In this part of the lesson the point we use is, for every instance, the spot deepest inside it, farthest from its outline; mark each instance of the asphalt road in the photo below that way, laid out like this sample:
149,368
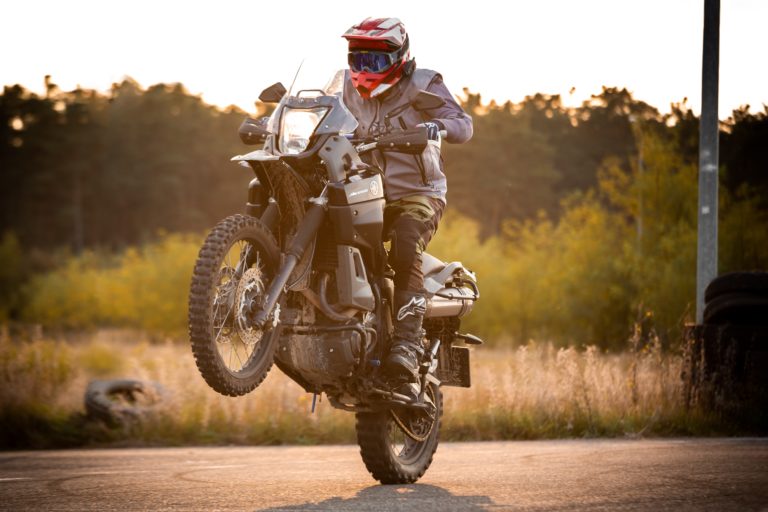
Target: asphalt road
690,474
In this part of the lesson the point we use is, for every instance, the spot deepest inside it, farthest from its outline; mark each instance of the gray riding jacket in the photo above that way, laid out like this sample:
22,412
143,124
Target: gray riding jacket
403,176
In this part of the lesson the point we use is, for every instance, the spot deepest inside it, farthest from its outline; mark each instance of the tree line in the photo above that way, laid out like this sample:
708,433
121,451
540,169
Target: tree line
590,210
84,169
527,157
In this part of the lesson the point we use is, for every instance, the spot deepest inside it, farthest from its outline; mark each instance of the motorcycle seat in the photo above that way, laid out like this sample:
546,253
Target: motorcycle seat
430,264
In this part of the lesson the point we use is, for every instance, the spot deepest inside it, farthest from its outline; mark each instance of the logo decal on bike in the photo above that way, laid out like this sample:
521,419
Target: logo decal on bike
417,305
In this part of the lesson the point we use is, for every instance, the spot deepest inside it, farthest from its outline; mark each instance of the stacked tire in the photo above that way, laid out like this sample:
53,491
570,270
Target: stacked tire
738,298
124,402
726,370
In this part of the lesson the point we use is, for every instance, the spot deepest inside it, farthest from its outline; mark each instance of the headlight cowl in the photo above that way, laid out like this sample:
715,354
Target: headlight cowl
296,128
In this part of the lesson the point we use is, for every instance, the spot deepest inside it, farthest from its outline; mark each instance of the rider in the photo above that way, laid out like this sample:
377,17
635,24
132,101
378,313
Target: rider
381,80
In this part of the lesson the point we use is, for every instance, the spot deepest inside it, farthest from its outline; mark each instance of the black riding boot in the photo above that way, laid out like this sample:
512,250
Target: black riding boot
402,363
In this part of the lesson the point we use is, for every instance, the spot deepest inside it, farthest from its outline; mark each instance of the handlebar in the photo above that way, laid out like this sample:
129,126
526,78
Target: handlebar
363,148
390,141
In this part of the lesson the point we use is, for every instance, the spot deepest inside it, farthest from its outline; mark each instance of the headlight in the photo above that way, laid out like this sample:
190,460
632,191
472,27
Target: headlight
297,126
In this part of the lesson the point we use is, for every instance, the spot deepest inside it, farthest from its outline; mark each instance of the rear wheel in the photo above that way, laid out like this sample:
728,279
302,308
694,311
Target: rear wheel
398,445
234,269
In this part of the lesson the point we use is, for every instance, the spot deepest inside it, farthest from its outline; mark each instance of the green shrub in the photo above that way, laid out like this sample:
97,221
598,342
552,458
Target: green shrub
145,288
621,254
12,274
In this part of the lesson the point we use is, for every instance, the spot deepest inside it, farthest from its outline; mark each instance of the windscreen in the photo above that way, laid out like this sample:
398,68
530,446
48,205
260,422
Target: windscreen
311,91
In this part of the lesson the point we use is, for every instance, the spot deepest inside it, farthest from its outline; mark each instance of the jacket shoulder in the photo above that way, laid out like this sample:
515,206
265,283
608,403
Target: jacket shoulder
421,78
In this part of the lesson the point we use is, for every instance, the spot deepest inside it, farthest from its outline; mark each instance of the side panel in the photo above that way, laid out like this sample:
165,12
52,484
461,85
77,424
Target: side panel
355,190
352,280
359,225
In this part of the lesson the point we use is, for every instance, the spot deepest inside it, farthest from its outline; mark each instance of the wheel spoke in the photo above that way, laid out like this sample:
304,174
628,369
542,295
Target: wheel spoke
242,262
227,259
237,354
223,323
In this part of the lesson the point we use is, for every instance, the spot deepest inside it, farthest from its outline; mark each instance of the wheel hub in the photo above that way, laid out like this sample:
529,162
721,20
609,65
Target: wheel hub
250,290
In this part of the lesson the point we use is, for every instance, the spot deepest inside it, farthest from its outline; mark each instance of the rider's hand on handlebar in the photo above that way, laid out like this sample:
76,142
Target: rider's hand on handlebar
433,130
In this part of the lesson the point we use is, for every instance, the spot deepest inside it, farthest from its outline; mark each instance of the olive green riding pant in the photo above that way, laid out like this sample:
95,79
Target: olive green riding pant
409,224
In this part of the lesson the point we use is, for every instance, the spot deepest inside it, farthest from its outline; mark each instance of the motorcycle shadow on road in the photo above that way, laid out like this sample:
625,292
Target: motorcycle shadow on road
396,498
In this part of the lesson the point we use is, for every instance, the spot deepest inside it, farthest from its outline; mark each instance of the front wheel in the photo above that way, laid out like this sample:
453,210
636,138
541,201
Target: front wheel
398,445
234,269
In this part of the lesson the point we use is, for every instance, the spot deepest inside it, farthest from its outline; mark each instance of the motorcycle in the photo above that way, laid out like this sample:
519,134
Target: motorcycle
301,280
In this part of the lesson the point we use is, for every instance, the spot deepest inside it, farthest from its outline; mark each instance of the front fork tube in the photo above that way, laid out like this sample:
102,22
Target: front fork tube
269,217
306,232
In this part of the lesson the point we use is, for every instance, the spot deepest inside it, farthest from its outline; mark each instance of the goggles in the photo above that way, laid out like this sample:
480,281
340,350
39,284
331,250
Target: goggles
372,60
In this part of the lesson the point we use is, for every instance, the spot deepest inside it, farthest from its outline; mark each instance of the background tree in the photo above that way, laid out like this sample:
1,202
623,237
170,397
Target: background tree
506,172
579,221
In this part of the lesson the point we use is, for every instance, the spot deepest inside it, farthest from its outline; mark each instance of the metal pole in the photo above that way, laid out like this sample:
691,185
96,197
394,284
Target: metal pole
706,261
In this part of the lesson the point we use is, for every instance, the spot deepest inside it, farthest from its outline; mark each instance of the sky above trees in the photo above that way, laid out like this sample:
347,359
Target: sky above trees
229,51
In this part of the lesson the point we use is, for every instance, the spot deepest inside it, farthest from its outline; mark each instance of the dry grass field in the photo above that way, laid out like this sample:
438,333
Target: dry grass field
533,391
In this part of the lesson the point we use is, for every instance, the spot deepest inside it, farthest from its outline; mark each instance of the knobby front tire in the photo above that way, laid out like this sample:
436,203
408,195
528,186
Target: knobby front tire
234,268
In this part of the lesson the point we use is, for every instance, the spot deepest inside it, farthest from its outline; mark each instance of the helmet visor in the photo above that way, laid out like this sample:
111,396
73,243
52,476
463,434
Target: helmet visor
370,60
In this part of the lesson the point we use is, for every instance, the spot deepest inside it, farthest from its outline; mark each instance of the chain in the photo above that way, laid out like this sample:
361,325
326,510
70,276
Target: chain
407,430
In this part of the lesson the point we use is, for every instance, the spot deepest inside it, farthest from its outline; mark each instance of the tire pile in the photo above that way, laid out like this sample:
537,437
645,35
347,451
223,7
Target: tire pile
726,368
125,402
739,298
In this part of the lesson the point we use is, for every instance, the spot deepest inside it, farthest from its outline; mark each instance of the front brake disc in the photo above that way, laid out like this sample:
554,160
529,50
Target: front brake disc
250,290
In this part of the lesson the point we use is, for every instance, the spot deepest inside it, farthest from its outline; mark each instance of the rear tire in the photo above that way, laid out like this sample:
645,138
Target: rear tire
390,455
234,268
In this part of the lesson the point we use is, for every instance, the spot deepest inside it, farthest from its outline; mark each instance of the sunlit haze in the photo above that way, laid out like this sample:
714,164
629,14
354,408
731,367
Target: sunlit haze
229,51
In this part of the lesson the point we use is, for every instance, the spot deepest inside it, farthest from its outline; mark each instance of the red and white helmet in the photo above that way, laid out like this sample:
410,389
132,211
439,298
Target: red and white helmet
378,54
